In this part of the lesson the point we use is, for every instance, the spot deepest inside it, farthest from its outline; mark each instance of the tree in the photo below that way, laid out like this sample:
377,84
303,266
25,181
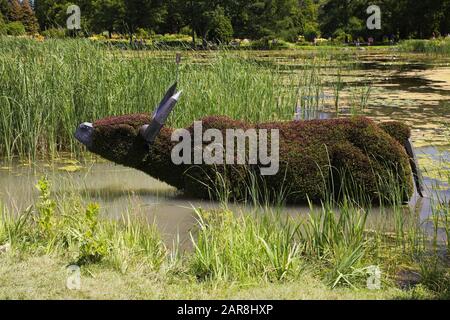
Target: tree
4,7
334,15
15,11
272,18
29,19
401,18
311,32
219,26
199,11
107,15
146,14
255,19
3,29
51,14
15,28
178,16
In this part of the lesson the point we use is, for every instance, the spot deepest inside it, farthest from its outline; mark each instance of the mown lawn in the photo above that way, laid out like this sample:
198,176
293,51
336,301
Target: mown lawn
44,277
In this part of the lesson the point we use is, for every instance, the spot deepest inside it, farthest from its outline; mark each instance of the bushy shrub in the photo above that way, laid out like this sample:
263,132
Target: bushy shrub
340,36
92,247
269,43
290,35
186,31
439,46
356,27
261,44
98,37
15,28
301,40
168,41
220,27
311,32
142,33
322,42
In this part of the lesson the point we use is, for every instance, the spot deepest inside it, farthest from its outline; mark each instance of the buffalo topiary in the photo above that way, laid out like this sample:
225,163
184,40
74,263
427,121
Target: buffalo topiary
314,155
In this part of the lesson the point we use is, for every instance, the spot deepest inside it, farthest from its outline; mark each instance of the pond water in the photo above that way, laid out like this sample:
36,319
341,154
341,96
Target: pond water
411,88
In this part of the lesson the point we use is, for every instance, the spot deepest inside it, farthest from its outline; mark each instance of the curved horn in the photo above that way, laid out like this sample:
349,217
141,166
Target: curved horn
151,131
172,90
415,168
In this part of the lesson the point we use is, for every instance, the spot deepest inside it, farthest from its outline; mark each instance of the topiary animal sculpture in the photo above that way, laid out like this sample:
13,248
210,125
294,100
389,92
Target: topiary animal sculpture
315,155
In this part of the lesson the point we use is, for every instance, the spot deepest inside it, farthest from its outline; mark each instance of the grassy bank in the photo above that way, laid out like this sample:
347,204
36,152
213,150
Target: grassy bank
438,46
263,253
44,277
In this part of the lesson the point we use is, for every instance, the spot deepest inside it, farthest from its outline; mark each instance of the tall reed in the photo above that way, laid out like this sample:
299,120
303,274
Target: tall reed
437,46
47,89
246,248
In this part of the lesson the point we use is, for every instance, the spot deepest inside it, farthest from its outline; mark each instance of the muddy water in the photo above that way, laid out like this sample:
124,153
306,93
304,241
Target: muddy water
118,191
410,88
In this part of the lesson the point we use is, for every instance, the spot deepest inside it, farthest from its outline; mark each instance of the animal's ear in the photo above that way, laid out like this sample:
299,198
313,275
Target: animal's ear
150,132
172,90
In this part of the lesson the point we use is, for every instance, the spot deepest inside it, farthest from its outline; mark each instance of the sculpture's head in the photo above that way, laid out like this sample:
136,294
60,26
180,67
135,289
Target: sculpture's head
125,139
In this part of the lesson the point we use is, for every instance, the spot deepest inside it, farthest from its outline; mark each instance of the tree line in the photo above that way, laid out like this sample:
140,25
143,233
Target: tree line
223,20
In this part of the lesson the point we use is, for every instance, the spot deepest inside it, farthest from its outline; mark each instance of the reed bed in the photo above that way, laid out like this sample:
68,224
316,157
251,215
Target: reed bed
47,89
437,46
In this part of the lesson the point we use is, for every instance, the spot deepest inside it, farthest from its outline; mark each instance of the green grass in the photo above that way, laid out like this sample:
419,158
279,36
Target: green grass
44,277
438,46
245,249
266,254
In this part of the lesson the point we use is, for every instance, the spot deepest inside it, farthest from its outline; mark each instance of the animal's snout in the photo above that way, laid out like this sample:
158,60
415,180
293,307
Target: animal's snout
84,133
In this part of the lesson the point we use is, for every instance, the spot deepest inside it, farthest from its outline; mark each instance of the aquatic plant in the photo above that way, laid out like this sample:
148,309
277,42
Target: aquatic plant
338,86
360,98
229,248
48,88
337,239
437,46
63,225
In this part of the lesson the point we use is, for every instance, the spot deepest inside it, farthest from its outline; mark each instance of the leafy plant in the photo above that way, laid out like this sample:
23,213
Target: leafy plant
46,208
15,28
337,239
92,247
246,249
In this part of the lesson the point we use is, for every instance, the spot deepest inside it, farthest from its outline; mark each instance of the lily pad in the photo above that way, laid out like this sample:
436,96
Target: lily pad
71,168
